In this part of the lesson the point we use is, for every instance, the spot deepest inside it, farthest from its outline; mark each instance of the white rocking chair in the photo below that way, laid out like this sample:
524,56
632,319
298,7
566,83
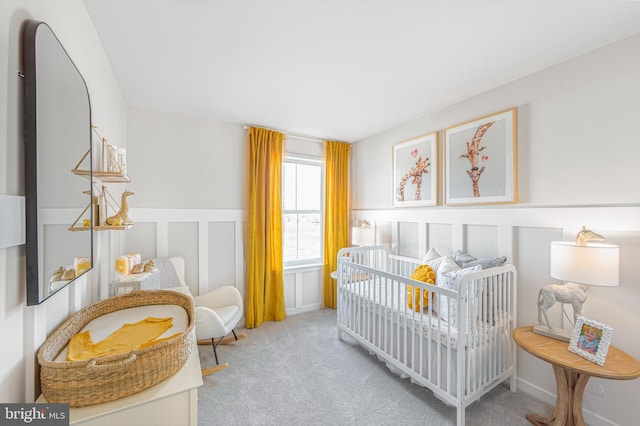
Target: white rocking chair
217,314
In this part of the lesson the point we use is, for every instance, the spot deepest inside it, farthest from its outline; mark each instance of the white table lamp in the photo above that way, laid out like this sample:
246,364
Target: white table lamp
363,235
579,264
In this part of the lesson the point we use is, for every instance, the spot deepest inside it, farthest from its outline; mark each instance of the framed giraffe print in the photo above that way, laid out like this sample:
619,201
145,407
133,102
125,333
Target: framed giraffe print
480,161
415,172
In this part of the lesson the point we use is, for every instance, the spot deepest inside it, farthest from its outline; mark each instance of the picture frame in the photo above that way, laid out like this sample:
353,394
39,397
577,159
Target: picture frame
481,160
591,339
415,171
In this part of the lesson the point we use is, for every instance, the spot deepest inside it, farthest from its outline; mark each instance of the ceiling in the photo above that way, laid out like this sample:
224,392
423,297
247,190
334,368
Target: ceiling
340,69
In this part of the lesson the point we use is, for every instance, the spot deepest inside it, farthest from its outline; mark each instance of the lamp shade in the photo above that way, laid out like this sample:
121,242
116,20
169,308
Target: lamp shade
363,236
591,264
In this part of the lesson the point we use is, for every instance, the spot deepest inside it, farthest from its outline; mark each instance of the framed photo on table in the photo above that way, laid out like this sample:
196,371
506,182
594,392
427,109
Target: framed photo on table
481,160
591,339
415,172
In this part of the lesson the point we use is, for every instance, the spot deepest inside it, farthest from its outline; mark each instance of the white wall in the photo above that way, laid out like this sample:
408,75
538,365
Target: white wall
576,125
576,161
26,327
182,162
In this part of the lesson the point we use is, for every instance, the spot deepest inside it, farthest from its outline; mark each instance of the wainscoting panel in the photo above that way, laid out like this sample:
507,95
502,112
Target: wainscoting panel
290,290
209,240
482,240
384,234
222,254
440,237
183,241
303,289
142,238
532,259
408,242
312,291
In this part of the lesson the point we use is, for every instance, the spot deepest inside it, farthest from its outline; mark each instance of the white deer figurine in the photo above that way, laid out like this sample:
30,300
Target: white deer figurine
573,293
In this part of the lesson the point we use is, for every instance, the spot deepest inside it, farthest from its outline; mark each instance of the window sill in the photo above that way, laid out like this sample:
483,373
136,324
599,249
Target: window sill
303,266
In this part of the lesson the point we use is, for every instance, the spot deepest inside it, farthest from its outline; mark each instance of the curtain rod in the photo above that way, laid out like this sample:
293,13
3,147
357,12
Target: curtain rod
291,135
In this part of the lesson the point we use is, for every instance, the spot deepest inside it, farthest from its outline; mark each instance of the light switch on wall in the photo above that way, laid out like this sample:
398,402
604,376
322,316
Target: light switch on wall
12,221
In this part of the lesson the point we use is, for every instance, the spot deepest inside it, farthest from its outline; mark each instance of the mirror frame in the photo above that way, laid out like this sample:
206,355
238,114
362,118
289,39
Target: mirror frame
33,274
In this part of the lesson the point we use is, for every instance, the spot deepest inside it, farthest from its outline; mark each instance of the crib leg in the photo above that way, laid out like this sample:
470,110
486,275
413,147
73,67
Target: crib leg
460,416
513,383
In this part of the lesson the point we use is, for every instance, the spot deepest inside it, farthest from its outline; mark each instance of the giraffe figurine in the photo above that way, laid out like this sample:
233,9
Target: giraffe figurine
473,151
123,214
416,172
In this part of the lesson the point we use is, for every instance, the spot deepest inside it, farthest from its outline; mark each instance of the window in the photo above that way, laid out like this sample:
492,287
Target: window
302,210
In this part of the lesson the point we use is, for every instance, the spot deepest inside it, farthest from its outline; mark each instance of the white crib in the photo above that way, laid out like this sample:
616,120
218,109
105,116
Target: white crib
458,363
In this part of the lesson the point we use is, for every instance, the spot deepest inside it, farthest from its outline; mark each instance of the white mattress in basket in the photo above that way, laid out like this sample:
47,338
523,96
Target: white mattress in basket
104,325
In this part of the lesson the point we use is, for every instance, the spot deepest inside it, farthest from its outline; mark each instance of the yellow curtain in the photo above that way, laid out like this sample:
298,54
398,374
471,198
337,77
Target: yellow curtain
265,277
336,229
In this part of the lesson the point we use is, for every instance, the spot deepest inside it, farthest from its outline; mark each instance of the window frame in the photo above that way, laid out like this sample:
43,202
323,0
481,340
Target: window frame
312,161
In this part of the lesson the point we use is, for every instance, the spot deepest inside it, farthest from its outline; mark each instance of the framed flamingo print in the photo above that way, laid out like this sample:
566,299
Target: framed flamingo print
481,160
415,172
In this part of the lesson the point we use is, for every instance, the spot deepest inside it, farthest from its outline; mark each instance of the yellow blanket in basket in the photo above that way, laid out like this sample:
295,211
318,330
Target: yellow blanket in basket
125,339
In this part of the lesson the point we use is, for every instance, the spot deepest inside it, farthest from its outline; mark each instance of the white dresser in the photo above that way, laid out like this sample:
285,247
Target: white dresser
172,402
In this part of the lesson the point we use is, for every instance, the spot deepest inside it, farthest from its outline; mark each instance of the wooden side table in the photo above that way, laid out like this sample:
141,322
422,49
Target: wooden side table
572,373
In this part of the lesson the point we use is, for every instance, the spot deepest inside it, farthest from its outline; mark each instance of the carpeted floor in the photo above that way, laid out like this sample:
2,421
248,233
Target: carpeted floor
296,372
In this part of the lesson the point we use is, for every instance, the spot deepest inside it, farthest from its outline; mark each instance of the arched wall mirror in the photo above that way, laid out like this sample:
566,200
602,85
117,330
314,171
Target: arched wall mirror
57,132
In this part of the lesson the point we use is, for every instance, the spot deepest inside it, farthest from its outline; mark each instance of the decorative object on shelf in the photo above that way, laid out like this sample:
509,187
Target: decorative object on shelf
121,218
81,265
481,160
111,164
57,275
122,160
363,235
415,172
68,274
100,206
134,259
150,266
580,264
86,223
122,267
591,339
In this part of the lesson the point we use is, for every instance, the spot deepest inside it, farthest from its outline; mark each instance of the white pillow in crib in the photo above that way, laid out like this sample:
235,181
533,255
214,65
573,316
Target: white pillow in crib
433,259
451,281
431,254
461,257
441,266
486,263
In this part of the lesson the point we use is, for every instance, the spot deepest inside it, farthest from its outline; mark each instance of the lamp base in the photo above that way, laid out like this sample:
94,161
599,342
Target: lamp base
561,334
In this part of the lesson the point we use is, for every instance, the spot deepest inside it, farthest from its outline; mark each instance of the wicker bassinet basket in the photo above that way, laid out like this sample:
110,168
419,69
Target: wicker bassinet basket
81,383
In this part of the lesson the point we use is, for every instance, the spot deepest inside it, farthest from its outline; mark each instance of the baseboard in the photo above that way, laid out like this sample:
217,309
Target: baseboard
303,309
590,417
